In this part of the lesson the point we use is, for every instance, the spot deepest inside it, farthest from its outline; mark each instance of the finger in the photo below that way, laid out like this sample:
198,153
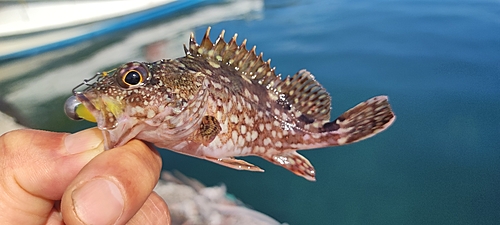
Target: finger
112,187
154,211
37,166
55,218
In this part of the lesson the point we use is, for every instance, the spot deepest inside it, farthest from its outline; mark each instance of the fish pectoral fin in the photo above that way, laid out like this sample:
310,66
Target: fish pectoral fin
209,129
295,163
237,164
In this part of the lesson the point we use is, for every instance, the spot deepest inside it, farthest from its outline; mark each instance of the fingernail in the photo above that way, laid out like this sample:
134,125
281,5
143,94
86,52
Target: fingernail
98,201
83,141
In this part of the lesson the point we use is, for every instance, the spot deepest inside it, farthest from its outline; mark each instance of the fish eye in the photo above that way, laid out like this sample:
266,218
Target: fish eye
132,78
132,75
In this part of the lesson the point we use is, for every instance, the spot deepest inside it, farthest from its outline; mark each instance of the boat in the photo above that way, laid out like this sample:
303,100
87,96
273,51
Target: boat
31,28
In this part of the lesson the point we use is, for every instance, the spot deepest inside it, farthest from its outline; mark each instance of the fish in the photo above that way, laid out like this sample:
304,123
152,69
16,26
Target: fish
221,101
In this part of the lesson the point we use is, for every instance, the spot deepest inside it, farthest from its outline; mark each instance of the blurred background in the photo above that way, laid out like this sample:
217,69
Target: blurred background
438,61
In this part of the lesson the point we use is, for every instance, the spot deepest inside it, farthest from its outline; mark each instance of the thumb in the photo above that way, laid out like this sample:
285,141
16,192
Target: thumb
36,167
116,186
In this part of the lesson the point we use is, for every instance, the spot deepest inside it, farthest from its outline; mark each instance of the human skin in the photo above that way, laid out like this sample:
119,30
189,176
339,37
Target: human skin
60,178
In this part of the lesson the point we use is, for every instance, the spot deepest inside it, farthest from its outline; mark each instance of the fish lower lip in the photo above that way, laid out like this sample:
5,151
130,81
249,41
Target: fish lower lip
99,107
83,99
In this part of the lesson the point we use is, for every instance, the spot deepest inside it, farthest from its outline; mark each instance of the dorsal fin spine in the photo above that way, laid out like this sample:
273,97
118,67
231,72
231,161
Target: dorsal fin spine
206,44
239,55
252,63
220,47
230,50
247,60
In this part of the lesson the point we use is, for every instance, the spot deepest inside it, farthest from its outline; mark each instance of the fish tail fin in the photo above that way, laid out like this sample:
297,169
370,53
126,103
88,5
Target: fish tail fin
362,121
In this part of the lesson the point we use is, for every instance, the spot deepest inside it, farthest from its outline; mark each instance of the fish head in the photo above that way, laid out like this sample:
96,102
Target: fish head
123,102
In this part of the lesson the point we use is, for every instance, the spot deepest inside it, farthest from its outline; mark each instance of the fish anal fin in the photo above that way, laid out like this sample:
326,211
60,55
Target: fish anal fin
295,163
306,95
236,164
362,121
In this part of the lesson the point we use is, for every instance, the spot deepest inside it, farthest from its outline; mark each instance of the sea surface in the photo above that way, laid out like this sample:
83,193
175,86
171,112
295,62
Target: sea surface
439,63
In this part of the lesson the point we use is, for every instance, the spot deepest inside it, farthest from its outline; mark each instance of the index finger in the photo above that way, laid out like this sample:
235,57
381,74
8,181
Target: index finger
37,166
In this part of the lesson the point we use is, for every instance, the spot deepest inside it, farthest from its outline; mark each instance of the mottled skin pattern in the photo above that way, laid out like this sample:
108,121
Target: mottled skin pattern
221,101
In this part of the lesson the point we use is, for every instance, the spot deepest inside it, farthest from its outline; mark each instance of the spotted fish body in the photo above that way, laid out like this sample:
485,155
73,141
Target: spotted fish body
221,101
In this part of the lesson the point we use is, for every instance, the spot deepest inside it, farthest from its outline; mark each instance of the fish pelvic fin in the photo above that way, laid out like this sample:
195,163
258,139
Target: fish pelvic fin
362,121
236,164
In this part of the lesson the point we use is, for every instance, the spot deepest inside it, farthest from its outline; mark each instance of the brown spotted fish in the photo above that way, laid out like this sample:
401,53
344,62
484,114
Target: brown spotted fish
222,101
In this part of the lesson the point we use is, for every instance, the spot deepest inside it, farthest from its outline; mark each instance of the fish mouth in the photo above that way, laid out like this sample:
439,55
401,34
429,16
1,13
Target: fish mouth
105,110
108,114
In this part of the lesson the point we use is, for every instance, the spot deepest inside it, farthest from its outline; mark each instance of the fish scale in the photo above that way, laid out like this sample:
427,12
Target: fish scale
222,101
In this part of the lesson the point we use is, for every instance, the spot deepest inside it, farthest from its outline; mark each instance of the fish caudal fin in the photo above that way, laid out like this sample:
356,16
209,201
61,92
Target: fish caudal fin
362,121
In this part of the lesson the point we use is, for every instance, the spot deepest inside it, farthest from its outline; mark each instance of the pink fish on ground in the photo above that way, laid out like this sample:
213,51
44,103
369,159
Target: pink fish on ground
221,101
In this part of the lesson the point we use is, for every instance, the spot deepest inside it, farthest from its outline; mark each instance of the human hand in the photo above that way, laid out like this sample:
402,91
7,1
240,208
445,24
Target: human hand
57,178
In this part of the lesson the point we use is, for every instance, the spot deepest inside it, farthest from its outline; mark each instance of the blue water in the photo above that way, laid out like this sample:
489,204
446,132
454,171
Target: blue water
439,63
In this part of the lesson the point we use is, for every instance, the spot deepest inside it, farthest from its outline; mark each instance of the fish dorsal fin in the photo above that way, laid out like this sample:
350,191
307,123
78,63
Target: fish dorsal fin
306,95
247,62
301,90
